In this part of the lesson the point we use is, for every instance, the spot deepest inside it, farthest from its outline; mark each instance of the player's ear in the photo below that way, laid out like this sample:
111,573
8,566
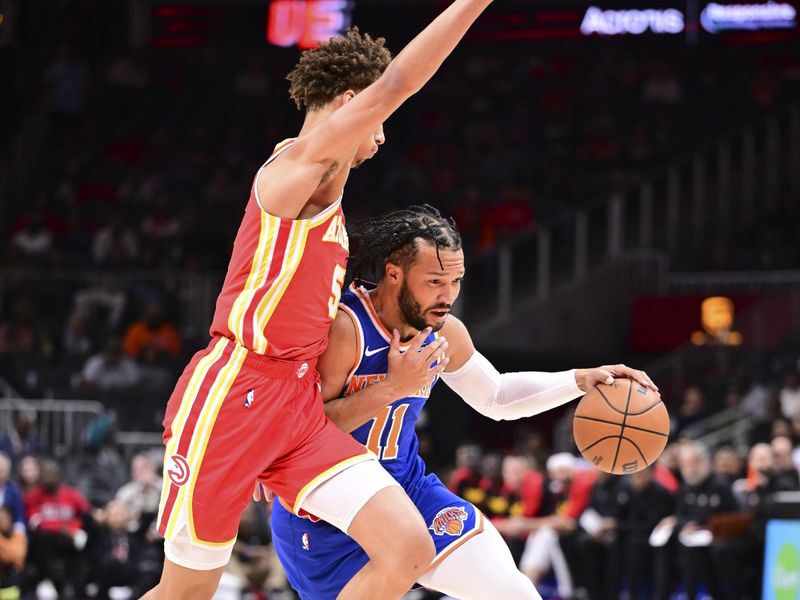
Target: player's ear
347,96
393,274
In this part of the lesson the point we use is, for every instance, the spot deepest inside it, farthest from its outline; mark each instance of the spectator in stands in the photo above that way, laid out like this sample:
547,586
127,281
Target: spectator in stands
34,241
648,503
790,394
110,370
785,472
30,473
597,540
13,550
20,440
152,331
727,465
465,481
515,496
551,536
77,344
56,523
115,245
115,551
692,409
102,303
700,497
142,494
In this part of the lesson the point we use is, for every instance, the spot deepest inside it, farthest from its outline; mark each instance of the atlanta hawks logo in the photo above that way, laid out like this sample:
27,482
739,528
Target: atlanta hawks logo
178,470
449,520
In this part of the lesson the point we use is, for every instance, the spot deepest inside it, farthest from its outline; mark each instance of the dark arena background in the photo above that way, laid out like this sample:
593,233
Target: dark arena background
626,177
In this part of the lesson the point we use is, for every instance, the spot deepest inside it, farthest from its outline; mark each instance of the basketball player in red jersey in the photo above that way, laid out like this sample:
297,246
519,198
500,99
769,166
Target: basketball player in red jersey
248,408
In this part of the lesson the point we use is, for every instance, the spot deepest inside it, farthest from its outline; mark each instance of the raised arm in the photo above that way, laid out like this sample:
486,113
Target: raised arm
333,142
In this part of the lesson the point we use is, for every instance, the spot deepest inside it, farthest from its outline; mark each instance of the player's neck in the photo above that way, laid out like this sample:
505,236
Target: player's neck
314,118
389,312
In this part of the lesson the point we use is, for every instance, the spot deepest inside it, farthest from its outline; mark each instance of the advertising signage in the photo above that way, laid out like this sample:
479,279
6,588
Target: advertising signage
305,23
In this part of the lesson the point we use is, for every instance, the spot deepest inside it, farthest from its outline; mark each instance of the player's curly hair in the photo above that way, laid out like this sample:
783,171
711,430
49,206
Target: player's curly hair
393,238
352,61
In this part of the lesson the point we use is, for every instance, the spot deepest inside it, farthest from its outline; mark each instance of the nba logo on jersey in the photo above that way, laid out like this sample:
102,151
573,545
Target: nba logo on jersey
248,401
449,520
306,545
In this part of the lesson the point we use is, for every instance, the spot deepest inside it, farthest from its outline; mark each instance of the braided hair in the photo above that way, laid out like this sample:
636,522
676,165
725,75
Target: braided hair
393,238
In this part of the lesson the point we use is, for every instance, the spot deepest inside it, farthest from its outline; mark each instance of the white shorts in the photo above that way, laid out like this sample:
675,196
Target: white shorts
336,500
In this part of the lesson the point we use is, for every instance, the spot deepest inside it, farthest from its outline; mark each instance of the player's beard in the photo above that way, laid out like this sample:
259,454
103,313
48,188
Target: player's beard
412,310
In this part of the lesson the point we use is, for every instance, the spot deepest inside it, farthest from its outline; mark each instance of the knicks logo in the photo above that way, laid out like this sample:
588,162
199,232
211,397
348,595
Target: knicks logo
449,520
178,470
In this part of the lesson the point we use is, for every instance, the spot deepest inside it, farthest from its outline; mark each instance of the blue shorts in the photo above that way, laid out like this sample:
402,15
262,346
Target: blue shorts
319,559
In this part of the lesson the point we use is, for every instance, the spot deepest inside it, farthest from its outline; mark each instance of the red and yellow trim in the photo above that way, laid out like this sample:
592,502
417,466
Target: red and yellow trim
188,400
298,236
259,270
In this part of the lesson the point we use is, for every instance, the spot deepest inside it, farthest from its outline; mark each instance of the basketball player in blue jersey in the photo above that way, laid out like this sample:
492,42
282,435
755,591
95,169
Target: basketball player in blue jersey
389,345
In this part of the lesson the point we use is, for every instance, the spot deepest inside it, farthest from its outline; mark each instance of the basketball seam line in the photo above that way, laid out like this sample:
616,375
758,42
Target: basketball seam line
639,450
614,408
620,425
648,409
594,443
622,431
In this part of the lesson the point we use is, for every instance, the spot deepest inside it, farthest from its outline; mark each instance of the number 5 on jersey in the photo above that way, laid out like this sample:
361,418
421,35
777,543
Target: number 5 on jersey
336,290
390,450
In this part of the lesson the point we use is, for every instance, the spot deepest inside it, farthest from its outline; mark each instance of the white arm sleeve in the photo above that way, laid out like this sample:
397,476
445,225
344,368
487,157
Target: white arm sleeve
510,396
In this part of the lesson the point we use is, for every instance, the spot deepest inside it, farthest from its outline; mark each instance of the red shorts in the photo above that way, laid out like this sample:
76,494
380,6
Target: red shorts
236,417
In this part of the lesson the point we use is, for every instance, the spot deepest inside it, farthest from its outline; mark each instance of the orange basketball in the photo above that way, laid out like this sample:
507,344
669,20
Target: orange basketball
621,428
454,527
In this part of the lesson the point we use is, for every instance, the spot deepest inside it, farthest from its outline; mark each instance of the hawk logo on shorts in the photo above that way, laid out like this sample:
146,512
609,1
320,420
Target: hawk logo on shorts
302,370
306,545
178,469
449,520
249,399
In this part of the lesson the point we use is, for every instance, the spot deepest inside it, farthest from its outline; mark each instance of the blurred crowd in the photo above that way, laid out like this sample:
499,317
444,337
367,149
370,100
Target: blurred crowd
83,526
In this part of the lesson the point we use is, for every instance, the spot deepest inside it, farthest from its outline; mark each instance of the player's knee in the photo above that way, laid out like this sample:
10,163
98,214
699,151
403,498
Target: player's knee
412,552
516,587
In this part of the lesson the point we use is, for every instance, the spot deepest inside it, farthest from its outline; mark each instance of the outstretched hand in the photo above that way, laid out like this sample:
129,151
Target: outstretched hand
588,378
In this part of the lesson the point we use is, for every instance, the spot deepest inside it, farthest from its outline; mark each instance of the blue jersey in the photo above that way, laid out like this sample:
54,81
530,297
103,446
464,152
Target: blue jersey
391,435
318,558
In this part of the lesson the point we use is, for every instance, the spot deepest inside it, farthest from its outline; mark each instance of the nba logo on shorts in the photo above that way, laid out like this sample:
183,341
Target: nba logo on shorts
177,469
248,401
449,520
306,545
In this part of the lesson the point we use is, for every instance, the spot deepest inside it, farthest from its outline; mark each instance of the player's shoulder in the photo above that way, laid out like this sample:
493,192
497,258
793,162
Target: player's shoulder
455,330
343,328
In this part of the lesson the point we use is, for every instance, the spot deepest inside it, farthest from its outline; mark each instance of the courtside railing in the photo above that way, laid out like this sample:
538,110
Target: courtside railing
679,209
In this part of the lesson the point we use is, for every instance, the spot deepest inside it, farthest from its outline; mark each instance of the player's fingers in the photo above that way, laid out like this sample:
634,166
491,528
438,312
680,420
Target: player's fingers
394,344
602,375
440,366
435,349
257,492
417,342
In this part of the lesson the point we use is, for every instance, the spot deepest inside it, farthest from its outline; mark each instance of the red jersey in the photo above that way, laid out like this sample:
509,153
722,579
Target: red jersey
55,512
284,280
